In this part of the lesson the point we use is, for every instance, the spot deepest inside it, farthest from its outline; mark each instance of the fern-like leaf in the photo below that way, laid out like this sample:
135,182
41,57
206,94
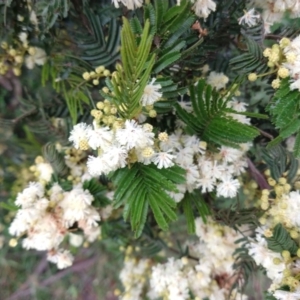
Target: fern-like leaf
144,186
281,240
210,119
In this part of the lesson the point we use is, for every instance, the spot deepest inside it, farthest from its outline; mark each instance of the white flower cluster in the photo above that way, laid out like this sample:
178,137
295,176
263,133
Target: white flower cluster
217,80
133,276
212,276
202,8
274,10
177,278
46,216
265,257
292,54
130,143
282,268
204,169
74,159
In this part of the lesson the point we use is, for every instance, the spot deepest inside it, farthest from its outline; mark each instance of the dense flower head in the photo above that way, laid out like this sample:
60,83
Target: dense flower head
46,218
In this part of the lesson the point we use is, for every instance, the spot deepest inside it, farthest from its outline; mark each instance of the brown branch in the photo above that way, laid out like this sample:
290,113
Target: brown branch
268,135
259,178
77,267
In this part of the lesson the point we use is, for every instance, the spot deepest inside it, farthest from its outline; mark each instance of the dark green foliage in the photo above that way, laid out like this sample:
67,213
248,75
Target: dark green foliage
137,64
98,191
210,119
281,240
279,160
101,48
50,11
142,186
194,203
251,61
285,113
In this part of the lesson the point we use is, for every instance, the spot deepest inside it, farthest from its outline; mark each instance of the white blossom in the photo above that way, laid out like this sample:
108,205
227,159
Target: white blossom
249,18
151,93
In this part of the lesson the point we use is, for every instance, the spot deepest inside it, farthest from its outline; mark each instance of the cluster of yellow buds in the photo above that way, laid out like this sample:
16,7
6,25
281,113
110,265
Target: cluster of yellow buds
96,75
12,58
106,113
276,57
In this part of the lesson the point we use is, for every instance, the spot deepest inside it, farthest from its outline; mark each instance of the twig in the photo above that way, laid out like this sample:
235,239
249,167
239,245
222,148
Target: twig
25,115
268,135
77,267
259,178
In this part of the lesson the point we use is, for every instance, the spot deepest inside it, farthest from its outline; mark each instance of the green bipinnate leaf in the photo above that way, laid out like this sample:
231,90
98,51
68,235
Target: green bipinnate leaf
210,119
281,240
143,186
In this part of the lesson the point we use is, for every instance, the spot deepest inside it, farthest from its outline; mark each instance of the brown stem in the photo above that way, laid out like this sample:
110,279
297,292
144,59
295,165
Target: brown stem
268,135
77,267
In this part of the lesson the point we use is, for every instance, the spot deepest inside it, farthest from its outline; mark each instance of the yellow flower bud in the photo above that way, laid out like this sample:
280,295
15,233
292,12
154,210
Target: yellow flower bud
276,83
282,180
277,261
284,42
19,59
13,242
12,52
100,69
271,181
294,234
95,82
106,73
286,255
283,72
267,52
252,76
152,113
291,57
100,105
86,76
17,71
147,152
163,137
31,50
105,90
265,191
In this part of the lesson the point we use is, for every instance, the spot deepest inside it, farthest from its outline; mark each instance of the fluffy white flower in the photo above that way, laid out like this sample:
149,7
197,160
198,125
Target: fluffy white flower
134,135
228,187
151,93
62,258
80,134
203,8
285,295
75,205
217,80
45,234
249,18
100,138
31,194
45,171
163,160
38,57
